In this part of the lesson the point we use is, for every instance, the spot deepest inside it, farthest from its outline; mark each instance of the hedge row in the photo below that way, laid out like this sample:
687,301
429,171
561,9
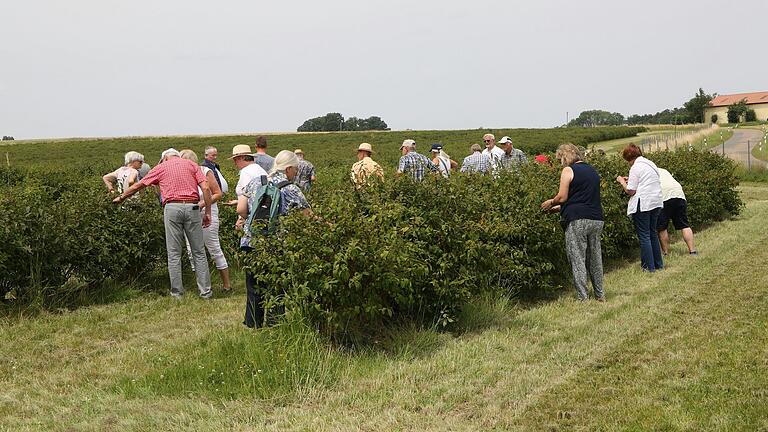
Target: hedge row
400,250
395,251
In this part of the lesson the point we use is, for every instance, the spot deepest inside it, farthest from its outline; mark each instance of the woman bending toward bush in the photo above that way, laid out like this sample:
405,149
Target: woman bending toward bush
582,217
645,203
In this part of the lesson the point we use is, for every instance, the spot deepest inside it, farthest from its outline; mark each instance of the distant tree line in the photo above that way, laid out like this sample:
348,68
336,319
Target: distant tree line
7,138
692,111
336,122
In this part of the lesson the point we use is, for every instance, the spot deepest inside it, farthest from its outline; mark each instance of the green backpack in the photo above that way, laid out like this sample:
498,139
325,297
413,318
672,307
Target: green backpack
264,209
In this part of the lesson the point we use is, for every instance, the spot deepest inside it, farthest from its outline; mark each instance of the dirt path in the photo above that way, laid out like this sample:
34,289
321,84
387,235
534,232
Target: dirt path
736,147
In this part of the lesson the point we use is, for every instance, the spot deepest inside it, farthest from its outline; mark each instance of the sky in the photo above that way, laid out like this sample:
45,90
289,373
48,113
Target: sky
85,68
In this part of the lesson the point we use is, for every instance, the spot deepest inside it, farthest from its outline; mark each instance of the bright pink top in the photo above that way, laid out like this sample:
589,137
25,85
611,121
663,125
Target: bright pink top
178,179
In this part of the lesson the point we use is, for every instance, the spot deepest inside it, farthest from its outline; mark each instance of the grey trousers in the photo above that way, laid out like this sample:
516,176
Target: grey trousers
181,219
582,245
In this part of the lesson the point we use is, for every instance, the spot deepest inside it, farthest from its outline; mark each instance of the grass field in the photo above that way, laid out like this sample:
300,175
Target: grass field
713,139
760,152
683,349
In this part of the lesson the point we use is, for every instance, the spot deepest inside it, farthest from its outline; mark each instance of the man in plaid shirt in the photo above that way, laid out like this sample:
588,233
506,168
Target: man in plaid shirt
476,162
412,163
179,180
512,157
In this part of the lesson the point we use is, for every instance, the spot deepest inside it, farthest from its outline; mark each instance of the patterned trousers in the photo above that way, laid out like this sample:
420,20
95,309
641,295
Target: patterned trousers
582,245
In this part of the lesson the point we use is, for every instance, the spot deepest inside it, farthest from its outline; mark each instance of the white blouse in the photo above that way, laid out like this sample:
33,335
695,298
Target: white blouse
644,180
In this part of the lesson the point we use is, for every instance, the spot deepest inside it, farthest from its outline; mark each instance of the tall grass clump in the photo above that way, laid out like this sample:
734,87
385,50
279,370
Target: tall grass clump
273,363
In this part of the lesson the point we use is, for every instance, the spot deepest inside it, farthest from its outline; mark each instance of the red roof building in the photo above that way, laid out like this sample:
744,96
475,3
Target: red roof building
717,111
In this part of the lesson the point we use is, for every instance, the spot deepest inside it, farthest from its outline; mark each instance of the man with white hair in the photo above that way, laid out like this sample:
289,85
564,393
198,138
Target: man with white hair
211,153
179,180
512,157
476,162
493,153
412,163
127,174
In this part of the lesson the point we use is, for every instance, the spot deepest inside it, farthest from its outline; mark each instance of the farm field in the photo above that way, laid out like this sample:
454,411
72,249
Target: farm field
684,349
502,345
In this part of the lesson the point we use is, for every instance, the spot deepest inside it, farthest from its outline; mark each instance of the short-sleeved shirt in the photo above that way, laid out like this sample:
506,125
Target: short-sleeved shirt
644,180
364,169
476,162
265,161
291,197
670,188
123,175
304,176
494,157
513,160
250,172
415,164
178,179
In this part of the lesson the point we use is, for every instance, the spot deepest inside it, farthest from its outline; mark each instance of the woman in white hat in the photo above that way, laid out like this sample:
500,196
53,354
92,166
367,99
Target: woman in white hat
282,175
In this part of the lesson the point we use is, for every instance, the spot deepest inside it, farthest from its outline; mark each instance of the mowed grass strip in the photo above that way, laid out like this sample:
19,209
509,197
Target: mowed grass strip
683,349
519,377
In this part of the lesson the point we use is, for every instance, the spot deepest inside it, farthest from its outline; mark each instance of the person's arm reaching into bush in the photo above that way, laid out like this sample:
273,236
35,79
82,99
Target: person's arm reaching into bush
242,211
566,177
128,193
624,182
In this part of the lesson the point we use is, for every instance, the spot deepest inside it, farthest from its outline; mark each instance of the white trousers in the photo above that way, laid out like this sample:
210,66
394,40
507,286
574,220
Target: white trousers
211,240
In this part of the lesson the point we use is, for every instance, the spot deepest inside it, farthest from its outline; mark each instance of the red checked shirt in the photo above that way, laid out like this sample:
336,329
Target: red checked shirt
178,179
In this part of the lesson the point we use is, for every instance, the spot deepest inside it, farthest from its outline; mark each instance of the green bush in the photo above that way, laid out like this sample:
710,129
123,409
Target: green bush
60,244
397,251
405,251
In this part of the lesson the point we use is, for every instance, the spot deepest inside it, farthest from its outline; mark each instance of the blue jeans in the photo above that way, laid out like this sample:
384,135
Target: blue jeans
650,249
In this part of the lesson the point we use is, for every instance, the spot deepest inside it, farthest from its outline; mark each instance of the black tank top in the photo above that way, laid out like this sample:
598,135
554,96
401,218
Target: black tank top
583,195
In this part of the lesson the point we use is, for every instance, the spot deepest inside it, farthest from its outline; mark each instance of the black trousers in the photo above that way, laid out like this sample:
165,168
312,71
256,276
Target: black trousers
254,303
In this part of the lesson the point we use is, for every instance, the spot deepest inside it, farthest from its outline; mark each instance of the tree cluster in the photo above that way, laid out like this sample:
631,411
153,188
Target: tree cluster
692,111
597,118
335,122
7,138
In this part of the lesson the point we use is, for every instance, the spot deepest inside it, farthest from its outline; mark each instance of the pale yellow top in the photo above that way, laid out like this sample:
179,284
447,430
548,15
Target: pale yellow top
363,169
670,188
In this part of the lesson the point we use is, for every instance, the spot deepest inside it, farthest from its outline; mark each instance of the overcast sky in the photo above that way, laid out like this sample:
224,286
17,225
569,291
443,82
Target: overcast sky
139,67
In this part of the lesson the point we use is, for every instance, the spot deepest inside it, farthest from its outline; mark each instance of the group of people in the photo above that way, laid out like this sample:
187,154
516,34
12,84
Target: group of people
493,159
190,194
655,199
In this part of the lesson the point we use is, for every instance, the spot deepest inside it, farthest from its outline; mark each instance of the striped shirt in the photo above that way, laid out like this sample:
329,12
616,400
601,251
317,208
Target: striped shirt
178,179
476,162
414,164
